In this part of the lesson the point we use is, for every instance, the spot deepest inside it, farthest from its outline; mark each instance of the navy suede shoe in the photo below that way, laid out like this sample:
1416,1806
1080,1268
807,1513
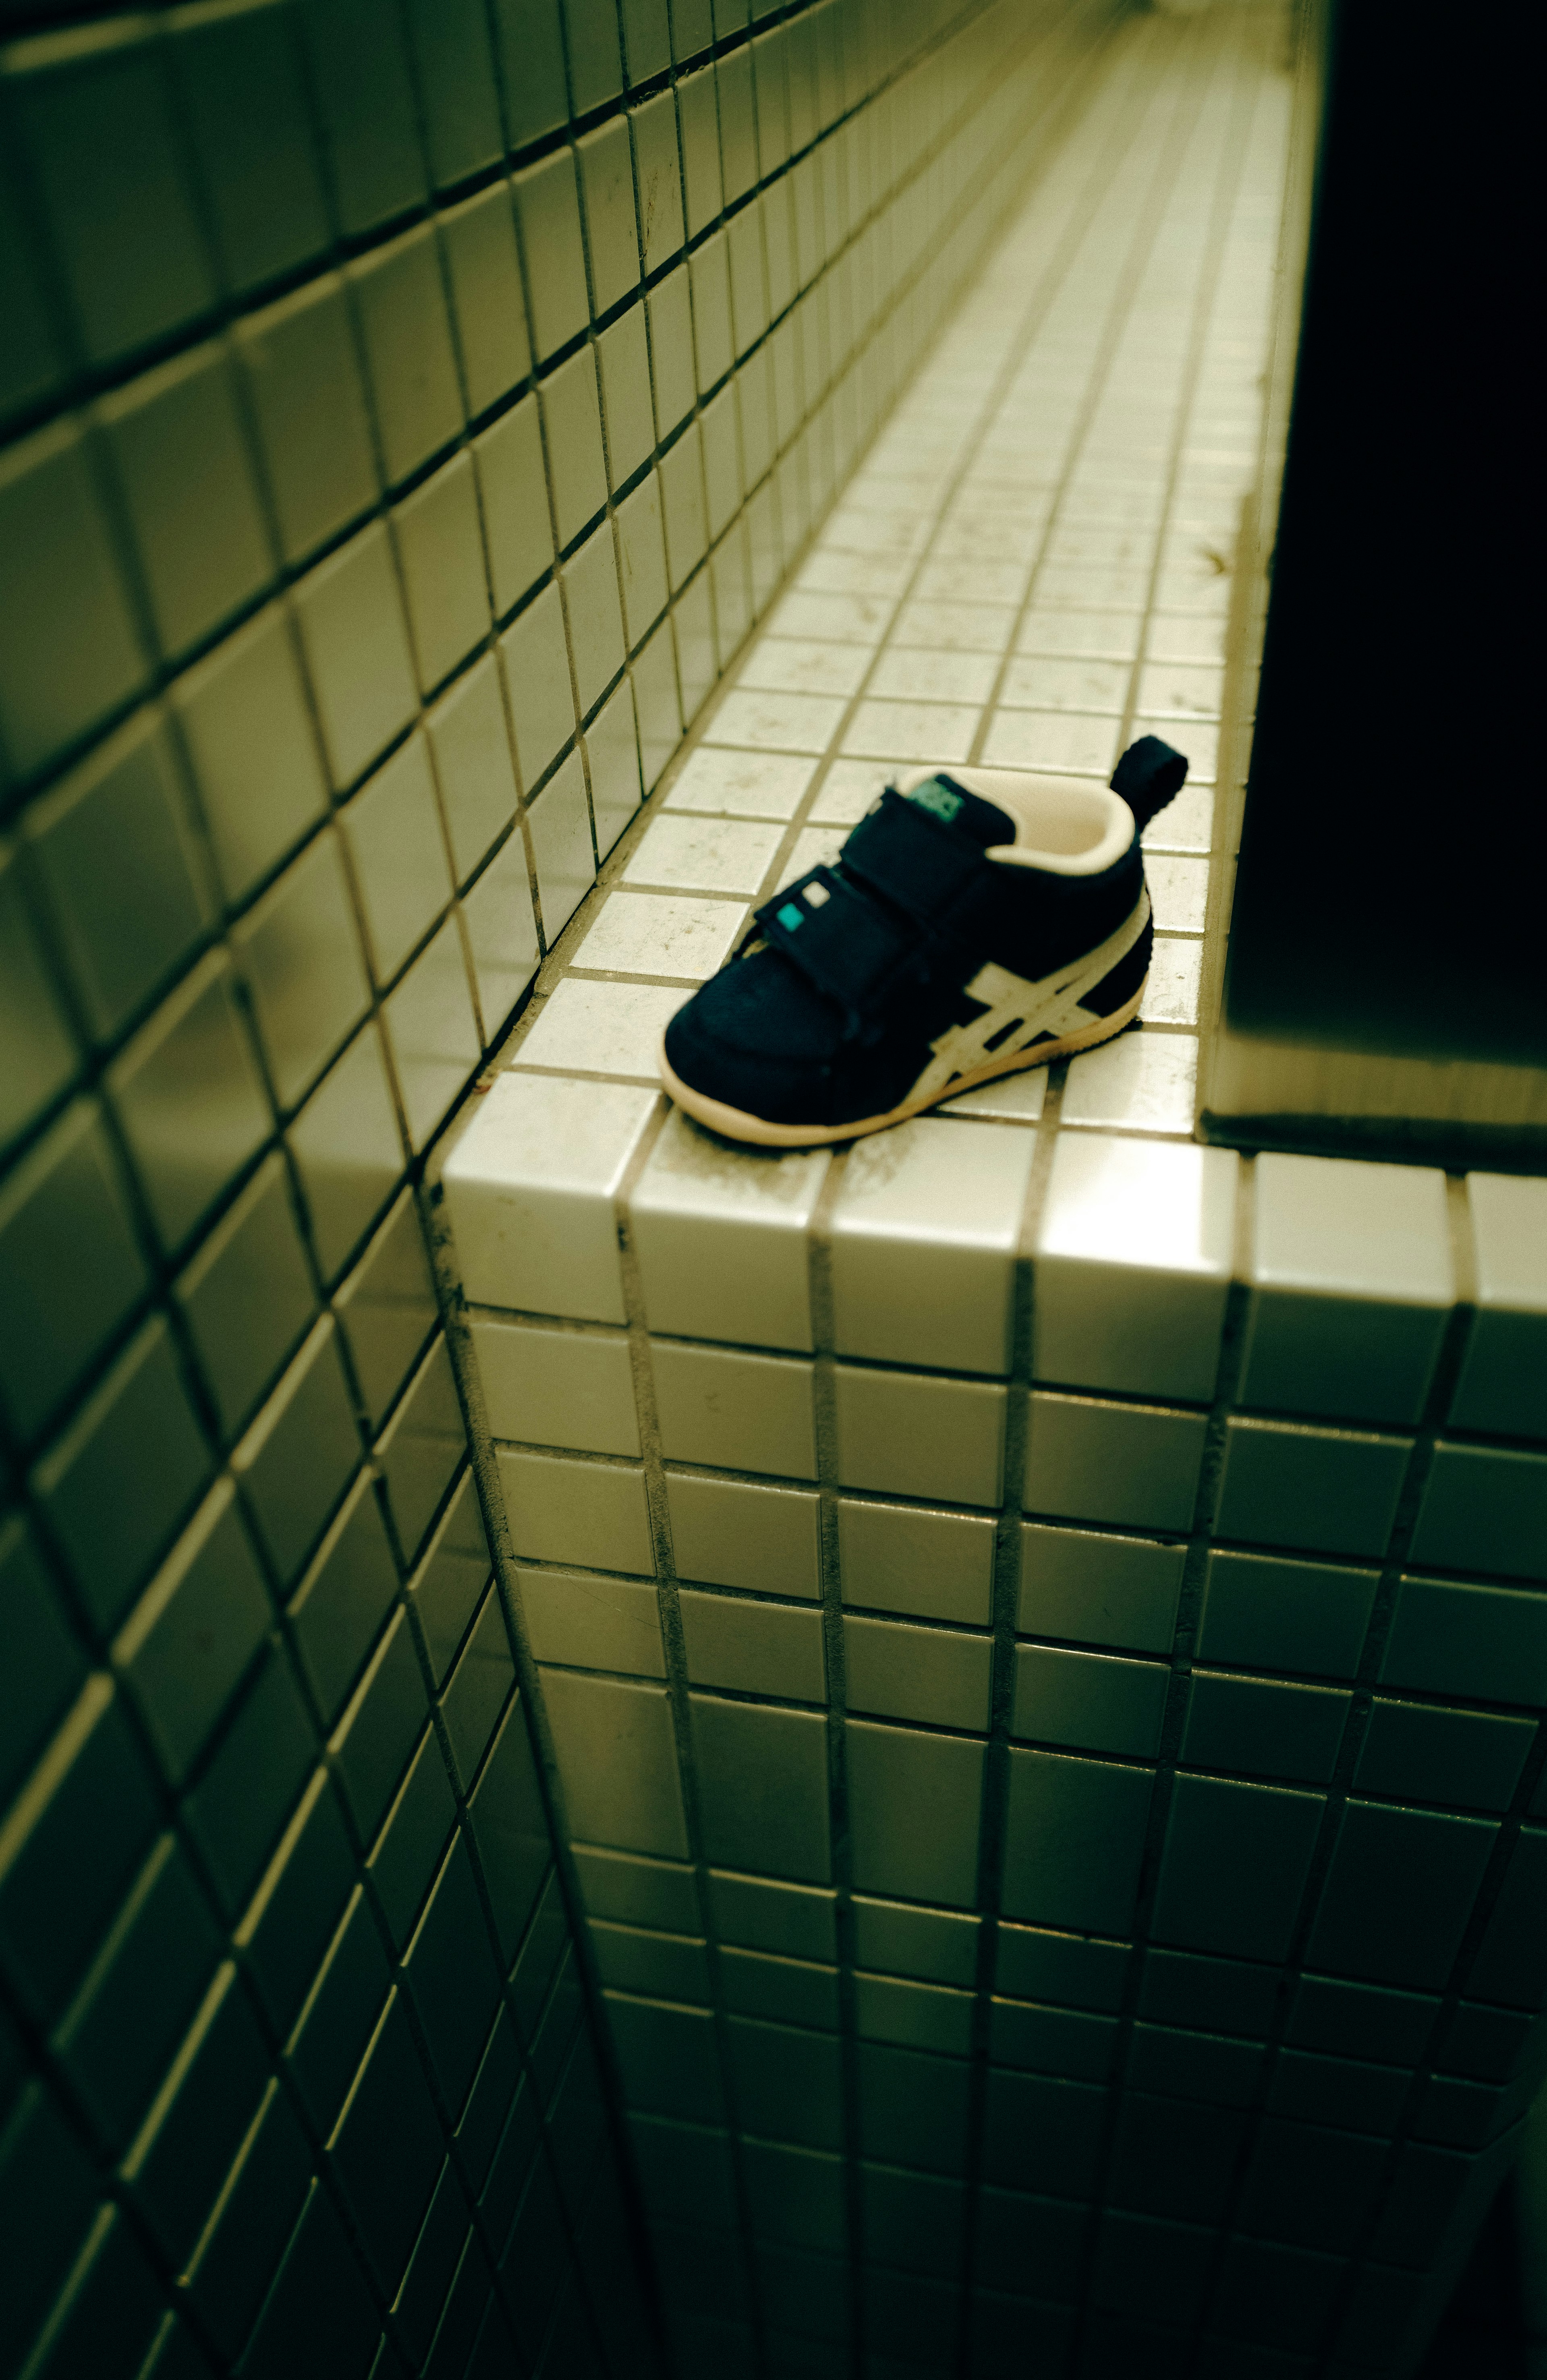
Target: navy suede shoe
976,921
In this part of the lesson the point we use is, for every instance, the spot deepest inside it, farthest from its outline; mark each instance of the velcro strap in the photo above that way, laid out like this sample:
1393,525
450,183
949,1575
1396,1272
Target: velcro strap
844,943
910,859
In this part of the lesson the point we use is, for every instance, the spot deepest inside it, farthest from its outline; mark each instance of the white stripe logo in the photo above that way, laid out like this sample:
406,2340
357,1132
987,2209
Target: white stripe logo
1017,1013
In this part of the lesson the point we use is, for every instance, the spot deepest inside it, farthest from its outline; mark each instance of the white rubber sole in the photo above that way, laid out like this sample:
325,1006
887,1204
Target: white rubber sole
735,1123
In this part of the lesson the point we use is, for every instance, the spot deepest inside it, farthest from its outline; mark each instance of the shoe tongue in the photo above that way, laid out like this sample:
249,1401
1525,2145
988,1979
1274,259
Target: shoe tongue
969,813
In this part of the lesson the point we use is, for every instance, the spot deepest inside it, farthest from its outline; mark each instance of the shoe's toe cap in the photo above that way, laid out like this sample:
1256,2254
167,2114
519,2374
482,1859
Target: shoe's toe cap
757,1039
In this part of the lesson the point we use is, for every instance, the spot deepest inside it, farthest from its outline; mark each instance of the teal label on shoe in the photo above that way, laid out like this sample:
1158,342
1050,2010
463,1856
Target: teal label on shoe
790,917
938,797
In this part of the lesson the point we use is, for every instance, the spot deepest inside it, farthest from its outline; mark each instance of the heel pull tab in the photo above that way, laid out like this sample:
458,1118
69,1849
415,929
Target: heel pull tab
1149,774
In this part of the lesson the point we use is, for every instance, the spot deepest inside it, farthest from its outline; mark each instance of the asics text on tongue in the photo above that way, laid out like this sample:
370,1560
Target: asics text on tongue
976,921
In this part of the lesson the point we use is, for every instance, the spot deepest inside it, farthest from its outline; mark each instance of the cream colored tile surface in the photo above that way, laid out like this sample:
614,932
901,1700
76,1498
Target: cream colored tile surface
742,785
650,933
602,1029
1141,1081
709,856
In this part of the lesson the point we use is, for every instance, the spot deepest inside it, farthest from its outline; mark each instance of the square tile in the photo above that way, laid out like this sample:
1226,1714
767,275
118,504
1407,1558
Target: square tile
912,731
1141,1082
1178,892
792,1920
431,1031
814,847
1187,823
1074,1842
642,556
589,578
803,665
910,674
1503,1386
581,1623
830,619
1351,1287
958,581
847,792
562,849
682,499
348,606
587,1027
733,1411
591,1514
763,1787
617,1761
1469,1760
1011,1098
1133,1260
933,1675
1328,1491
1133,1464
501,934
1045,684
607,184
472,746
1071,742
1177,689
756,1649
741,784
393,831
120,865
671,343
1486,1643
732,1532
714,856
1183,636
536,659
1261,1727
549,207
529,1187
788,1989
1259,1835
557,1388
776,723
914,2015
1098,636
650,933
1484,1508
623,358
1262,1613
720,1237
514,485
935,1946
944,626
1090,1702
1084,1588
911,1436
611,748
931,1565
924,1232
914,1812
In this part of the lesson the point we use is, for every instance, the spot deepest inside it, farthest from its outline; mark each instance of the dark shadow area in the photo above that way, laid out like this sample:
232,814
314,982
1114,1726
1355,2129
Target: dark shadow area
1484,2334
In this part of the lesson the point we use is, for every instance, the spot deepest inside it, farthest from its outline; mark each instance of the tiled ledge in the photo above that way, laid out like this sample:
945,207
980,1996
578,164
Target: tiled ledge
1348,1277
1038,1621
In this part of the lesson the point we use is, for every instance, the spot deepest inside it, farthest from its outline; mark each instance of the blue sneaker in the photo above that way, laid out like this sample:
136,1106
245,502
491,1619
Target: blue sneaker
976,921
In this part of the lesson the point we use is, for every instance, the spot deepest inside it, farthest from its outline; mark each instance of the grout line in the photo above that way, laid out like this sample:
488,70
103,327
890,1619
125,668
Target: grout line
538,1730
819,1244
674,1646
994,1800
